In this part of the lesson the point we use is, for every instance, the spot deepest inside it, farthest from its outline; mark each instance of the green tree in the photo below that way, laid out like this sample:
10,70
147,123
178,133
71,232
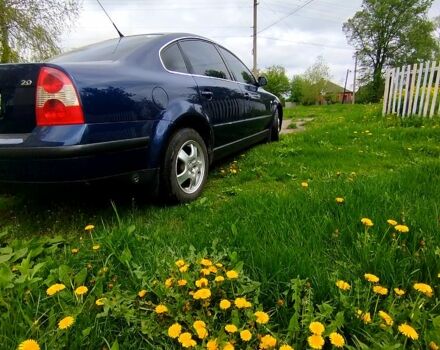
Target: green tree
30,29
316,78
297,85
277,81
390,32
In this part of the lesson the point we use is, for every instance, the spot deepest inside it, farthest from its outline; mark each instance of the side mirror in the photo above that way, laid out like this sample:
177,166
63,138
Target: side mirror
262,81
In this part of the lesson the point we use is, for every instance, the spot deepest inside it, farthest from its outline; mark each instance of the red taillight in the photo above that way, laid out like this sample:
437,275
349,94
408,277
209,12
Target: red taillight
57,101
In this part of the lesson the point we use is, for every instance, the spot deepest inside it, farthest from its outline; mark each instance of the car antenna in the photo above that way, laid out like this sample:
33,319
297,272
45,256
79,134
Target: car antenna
114,25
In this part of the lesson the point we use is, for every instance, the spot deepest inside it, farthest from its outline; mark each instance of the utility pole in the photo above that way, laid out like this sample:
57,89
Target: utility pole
354,78
254,50
345,86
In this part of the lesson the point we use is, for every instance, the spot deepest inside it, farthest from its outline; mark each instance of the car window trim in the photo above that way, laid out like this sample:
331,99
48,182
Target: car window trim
183,57
197,75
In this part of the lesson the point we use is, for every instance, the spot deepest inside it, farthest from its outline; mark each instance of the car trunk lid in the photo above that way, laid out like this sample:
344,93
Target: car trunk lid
17,97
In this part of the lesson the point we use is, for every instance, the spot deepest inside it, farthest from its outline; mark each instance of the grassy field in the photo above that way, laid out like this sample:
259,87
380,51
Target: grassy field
256,206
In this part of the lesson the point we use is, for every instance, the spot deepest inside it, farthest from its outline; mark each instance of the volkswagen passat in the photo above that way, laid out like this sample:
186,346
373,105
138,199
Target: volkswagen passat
155,109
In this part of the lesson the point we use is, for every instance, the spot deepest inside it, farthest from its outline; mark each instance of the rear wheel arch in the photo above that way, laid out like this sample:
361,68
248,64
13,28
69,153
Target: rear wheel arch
199,124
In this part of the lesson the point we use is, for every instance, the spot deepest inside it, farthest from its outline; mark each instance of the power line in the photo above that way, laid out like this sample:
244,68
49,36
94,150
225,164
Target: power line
288,15
307,43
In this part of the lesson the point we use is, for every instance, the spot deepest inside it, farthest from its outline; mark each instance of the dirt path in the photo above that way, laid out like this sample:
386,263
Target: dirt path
300,125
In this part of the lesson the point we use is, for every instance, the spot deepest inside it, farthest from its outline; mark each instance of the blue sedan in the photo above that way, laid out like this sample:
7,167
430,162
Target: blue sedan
156,109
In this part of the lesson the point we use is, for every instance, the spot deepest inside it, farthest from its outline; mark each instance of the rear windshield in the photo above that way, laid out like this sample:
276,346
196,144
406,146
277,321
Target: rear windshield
109,50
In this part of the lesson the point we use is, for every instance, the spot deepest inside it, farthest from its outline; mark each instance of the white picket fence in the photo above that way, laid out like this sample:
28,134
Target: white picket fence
412,90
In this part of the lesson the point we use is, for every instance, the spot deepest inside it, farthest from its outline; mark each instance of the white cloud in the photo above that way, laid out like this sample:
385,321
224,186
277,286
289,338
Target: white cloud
293,43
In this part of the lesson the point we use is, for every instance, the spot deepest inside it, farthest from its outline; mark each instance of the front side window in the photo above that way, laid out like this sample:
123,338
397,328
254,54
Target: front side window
204,59
173,60
241,72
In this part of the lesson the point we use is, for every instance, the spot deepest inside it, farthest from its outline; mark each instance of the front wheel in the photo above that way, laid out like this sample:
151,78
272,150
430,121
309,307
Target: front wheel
185,166
276,126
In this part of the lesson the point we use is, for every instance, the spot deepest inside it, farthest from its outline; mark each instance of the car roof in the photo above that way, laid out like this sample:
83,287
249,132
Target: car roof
120,48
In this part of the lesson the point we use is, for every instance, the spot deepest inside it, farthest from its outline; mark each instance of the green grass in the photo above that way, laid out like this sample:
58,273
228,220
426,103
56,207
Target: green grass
383,167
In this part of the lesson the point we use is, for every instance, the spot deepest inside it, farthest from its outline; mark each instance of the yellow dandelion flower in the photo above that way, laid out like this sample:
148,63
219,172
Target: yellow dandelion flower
142,293
212,269
262,317
230,328
424,289
199,324
180,263
182,282
371,278
205,272
337,340
55,288
242,303
245,335
212,344
96,247
399,292
286,347
219,265
387,318
267,342
340,200
225,304
184,268
304,184
29,344
219,279
81,290
186,340
392,222
317,328
205,262
203,282
100,301
202,332
342,285
66,322
433,346
74,250
161,309
203,293
89,228
401,228
232,274
174,330
169,282
380,290
366,317
367,222
408,331
228,346
315,341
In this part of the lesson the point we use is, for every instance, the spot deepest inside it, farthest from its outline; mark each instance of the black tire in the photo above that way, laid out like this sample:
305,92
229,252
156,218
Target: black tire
275,127
173,167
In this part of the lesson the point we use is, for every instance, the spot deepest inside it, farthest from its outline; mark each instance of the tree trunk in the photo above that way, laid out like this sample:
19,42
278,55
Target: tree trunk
377,84
4,35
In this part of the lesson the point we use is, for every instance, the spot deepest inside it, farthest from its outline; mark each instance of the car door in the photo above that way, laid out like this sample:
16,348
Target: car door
258,112
221,97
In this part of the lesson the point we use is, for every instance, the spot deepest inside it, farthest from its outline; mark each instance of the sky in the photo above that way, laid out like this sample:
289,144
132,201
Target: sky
314,29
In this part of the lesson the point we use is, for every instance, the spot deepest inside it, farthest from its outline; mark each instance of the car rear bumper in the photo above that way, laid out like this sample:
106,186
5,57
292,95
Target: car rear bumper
77,163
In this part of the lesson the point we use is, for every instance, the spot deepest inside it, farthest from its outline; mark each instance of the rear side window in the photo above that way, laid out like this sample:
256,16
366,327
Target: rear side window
173,60
204,59
241,72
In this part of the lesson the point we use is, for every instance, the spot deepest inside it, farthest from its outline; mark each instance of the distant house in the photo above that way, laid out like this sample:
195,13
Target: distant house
333,93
